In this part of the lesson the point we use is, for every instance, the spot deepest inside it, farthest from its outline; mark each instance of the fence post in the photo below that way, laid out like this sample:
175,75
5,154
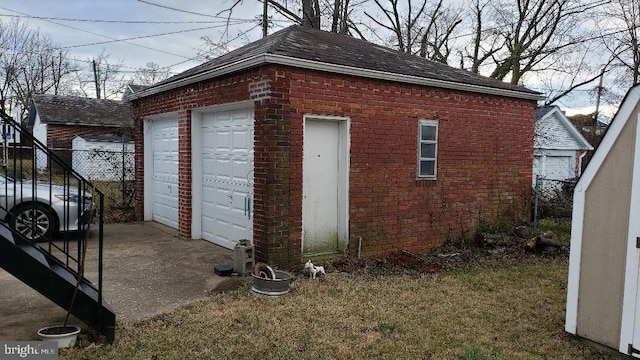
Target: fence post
536,195
124,144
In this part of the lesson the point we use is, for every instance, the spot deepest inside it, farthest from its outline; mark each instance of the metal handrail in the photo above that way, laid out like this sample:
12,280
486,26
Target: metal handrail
66,250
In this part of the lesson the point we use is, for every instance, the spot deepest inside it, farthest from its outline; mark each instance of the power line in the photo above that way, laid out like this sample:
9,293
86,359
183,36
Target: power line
104,36
204,55
33,52
117,21
142,37
180,10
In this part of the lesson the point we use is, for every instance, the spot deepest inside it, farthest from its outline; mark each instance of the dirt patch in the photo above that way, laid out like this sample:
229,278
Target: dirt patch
229,284
486,250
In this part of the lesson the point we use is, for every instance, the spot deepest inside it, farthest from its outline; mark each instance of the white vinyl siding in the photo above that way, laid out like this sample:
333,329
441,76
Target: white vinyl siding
428,149
558,146
552,133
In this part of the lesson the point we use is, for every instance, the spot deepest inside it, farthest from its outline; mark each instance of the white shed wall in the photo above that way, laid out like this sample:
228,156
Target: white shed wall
102,160
40,133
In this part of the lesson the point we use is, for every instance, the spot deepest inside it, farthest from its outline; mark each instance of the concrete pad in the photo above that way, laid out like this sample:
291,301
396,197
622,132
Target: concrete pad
148,270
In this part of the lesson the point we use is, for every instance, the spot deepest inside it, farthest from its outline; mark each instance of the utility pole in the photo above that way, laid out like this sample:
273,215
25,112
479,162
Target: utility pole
265,18
598,94
96,79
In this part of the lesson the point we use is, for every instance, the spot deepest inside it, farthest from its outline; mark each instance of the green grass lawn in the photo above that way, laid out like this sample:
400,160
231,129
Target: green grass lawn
561,228
500,309
511,311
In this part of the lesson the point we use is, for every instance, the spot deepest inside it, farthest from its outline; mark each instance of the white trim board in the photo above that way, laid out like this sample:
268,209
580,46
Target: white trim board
629,300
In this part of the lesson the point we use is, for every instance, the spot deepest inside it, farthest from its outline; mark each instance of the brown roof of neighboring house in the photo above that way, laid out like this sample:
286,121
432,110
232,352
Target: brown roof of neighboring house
315,49
71,110
132,89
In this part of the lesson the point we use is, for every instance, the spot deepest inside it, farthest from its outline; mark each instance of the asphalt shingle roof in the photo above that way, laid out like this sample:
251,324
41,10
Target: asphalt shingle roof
544,110
297,42
106,138
54,109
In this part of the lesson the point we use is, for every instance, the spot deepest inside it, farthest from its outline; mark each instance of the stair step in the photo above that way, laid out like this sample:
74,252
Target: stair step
35,253
71,279
6,233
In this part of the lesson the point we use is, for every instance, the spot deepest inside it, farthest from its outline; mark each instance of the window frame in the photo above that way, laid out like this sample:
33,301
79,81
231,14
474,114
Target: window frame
431,123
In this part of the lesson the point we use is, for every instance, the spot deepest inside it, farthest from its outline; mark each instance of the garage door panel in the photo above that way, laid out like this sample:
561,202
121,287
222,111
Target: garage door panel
225,199
227,168
240,140
239,172
560,167
223,142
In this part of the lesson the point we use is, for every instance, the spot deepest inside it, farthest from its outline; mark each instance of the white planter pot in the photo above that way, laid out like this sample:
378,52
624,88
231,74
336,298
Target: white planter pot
65,336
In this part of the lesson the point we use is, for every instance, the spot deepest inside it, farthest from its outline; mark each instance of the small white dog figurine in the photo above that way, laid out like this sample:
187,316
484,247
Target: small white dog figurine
313,270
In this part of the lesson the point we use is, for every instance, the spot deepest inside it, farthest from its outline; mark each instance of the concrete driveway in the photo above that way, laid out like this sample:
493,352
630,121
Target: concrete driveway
147,270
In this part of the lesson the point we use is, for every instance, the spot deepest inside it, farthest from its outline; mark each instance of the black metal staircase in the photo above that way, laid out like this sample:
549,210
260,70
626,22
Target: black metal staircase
38,190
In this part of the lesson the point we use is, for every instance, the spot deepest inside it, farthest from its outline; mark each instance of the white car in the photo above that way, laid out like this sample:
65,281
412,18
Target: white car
38,212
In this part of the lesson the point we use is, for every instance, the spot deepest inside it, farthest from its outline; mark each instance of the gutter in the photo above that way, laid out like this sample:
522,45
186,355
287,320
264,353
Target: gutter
332,68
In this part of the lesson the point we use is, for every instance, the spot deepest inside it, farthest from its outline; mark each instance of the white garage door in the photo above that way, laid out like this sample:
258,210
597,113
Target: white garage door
560,167
164,143
227,176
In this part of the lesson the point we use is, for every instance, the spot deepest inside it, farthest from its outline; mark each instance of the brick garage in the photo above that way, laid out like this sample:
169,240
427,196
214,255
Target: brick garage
381,99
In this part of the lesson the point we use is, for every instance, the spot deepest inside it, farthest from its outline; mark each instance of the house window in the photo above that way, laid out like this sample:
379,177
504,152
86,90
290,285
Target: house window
428,149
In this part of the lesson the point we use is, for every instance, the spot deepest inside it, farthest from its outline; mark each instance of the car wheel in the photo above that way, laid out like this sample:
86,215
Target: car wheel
34,222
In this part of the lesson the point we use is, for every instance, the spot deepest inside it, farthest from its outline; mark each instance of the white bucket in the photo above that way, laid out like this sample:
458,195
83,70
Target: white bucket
65,340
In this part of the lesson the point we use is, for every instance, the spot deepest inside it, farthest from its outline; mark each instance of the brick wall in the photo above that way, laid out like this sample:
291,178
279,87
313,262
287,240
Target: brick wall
270,182
279,237
484,157
61,136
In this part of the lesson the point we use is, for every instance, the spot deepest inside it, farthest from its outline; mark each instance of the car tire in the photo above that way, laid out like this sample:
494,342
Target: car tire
26,216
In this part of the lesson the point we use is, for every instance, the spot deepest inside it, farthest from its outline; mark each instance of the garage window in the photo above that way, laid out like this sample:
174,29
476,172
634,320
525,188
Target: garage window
427,149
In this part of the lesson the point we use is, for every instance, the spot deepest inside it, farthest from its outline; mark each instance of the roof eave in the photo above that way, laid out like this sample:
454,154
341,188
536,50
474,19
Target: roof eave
586,145
67,123
333,68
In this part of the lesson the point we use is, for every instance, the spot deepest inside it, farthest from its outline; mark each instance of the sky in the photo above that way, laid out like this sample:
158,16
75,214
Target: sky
167,32
170,38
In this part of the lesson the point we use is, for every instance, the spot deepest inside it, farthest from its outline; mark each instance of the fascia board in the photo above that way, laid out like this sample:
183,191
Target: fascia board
610,137
572,129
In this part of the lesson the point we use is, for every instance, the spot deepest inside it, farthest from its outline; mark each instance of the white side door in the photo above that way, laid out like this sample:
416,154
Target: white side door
320,187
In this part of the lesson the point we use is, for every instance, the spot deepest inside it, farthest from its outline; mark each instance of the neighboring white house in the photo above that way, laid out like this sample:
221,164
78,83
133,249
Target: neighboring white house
103,157
558,146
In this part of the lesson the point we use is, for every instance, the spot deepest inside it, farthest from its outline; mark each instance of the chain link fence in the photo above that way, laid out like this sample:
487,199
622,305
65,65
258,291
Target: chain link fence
112,171
552,199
